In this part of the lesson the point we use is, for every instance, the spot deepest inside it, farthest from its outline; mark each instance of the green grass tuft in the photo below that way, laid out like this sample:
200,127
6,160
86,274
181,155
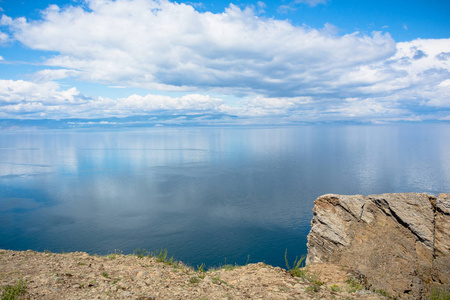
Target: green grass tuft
229,267
313,288
298,271
383,293
201,268
161,256
15,291
112,256
439,294
141,253
194,279
354,285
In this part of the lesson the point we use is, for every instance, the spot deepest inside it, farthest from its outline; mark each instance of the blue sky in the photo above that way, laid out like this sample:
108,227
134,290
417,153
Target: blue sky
277,62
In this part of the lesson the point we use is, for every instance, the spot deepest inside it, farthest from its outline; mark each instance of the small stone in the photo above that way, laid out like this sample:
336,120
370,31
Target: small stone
127,294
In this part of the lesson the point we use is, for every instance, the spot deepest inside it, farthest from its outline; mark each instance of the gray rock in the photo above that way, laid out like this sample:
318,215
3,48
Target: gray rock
414,211
398,242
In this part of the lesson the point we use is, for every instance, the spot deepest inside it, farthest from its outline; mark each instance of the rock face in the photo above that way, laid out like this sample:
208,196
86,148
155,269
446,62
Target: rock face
399,243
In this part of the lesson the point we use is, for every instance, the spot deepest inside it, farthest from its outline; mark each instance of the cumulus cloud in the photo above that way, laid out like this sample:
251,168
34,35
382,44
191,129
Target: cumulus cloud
49,93
25,99
175,47
4,38
29,100
275,69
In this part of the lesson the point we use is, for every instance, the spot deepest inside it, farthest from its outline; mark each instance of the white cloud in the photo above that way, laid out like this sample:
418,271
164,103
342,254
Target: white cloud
25,99
48,93
4,38
274,69
175,47
49,74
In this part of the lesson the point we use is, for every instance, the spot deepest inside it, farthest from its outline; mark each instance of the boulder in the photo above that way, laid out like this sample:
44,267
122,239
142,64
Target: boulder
398,242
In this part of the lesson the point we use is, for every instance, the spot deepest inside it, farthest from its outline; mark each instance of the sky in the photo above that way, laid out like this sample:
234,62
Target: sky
221,62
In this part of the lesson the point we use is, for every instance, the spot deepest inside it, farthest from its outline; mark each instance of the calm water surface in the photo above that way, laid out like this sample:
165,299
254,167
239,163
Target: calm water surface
212,195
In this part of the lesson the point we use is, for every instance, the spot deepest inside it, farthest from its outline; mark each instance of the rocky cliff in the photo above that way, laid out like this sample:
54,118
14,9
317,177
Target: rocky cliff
398,243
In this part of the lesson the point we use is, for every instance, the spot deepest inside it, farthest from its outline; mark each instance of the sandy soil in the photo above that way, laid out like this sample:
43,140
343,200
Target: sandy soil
79,275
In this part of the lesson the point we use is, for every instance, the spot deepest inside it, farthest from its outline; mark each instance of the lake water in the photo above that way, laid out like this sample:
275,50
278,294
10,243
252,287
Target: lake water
212,195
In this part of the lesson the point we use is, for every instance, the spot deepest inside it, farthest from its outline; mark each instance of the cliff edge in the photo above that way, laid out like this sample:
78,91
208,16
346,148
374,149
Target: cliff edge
398,243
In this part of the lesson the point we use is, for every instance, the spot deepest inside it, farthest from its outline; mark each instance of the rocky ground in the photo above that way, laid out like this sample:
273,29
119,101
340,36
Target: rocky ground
79,275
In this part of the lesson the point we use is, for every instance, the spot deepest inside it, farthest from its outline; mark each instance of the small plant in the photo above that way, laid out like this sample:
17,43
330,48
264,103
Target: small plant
354,285
314,278
217,280
104,274
439,294
116,280
313,288
15,291
383,293
229,267
296,271
201,268
161,256
194,279
335,288
112,256
81,263
141,253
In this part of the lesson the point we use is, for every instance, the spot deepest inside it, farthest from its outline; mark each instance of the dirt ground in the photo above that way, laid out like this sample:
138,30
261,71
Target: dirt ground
78,275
